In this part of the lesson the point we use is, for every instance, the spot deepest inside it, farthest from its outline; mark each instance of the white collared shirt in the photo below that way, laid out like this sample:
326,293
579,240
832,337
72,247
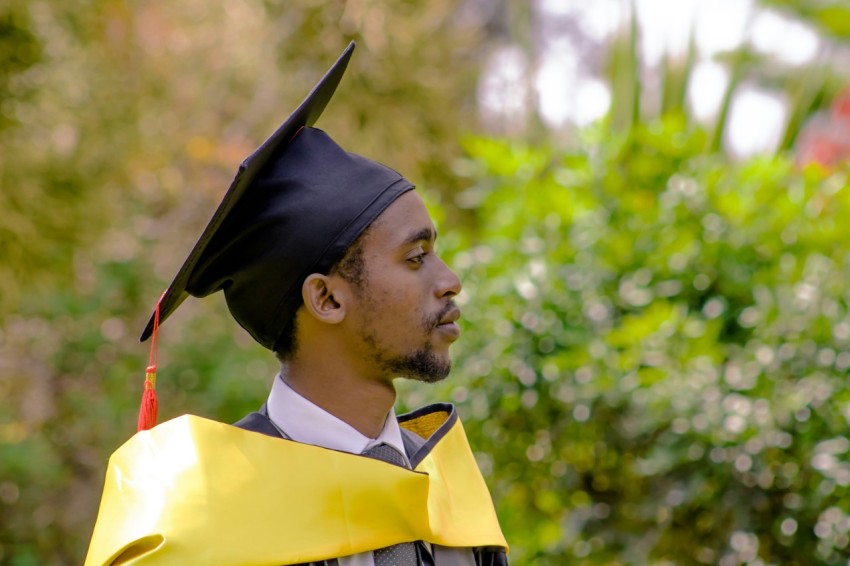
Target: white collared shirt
307,423
302,421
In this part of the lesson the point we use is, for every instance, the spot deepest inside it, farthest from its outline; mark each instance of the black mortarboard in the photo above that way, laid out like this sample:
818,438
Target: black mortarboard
295,206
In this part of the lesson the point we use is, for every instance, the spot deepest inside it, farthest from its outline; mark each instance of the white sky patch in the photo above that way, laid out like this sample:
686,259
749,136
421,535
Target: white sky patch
592,102
791,42
601,18
565,94
503,89
722,25
556,83
598,19
558,7
709,81
665,27
755,122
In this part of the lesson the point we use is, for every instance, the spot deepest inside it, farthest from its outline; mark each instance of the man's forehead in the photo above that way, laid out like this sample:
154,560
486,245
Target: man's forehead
405,221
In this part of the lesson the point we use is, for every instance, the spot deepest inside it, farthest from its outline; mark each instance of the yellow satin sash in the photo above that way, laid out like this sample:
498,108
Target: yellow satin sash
195,491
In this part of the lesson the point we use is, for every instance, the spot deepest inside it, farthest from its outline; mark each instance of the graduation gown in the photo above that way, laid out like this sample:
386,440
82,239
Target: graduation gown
197,491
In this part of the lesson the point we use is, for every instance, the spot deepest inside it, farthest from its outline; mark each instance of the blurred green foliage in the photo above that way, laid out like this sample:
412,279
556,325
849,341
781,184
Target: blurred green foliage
656,345
831,16
656,351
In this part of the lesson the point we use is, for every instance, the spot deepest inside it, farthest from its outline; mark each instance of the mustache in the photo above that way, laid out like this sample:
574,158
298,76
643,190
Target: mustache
433,321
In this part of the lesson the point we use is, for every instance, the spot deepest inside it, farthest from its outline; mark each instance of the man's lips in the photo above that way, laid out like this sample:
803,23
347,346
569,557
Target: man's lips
448,324
450,317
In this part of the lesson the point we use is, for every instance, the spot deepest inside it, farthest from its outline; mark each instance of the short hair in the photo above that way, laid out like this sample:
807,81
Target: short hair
352,268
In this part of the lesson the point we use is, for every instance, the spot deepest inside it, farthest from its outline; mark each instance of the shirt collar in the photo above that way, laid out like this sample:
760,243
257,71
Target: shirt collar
303,421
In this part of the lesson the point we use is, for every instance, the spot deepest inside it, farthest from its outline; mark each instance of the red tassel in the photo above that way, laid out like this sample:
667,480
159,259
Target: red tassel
150,404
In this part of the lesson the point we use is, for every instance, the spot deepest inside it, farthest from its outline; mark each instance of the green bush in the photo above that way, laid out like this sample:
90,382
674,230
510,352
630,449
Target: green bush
655,362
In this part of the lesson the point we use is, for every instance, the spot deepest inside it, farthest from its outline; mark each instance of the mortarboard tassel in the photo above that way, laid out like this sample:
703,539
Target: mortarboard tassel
150,405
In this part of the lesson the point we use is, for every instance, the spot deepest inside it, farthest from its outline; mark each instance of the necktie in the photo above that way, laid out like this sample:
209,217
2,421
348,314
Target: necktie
403,554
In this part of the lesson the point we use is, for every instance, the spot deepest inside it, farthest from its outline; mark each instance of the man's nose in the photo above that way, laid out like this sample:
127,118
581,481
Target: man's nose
448,284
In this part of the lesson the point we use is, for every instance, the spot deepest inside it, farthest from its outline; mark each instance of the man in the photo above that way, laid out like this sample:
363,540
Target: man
327,259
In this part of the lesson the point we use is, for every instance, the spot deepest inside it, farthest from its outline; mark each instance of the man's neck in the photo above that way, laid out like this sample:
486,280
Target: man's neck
362,403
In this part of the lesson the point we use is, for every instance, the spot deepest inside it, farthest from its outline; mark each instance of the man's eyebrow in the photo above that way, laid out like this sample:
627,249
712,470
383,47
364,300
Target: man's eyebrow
423,235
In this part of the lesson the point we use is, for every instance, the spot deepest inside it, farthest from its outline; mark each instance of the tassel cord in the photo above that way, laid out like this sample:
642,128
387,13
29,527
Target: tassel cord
150,404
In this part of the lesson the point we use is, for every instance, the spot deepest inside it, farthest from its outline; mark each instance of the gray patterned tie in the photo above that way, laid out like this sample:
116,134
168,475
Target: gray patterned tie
403,554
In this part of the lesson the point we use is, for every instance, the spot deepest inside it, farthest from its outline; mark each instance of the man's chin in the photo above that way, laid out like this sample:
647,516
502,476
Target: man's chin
428,378
424,366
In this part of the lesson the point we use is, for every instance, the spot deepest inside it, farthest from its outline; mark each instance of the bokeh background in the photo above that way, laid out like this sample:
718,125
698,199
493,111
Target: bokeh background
647,201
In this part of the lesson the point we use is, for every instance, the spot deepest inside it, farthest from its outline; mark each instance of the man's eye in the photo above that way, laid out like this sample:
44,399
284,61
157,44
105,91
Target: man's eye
418,259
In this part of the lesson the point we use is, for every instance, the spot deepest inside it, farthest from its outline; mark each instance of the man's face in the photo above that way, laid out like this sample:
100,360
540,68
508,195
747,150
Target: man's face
403,317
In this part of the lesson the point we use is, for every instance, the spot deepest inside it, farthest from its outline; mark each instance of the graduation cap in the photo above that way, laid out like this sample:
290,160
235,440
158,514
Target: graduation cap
295,206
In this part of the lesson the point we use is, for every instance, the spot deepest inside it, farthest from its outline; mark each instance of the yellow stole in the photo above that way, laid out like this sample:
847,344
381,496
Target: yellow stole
195,491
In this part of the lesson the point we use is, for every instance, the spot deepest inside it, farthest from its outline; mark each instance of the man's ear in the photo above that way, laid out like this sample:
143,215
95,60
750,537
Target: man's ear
324,298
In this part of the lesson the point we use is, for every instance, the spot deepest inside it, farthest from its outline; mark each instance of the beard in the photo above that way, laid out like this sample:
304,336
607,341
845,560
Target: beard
422,365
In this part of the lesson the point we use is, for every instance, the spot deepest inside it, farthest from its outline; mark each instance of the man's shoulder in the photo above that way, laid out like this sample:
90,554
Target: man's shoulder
446,410
424,427
418,427
429,422
258,422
